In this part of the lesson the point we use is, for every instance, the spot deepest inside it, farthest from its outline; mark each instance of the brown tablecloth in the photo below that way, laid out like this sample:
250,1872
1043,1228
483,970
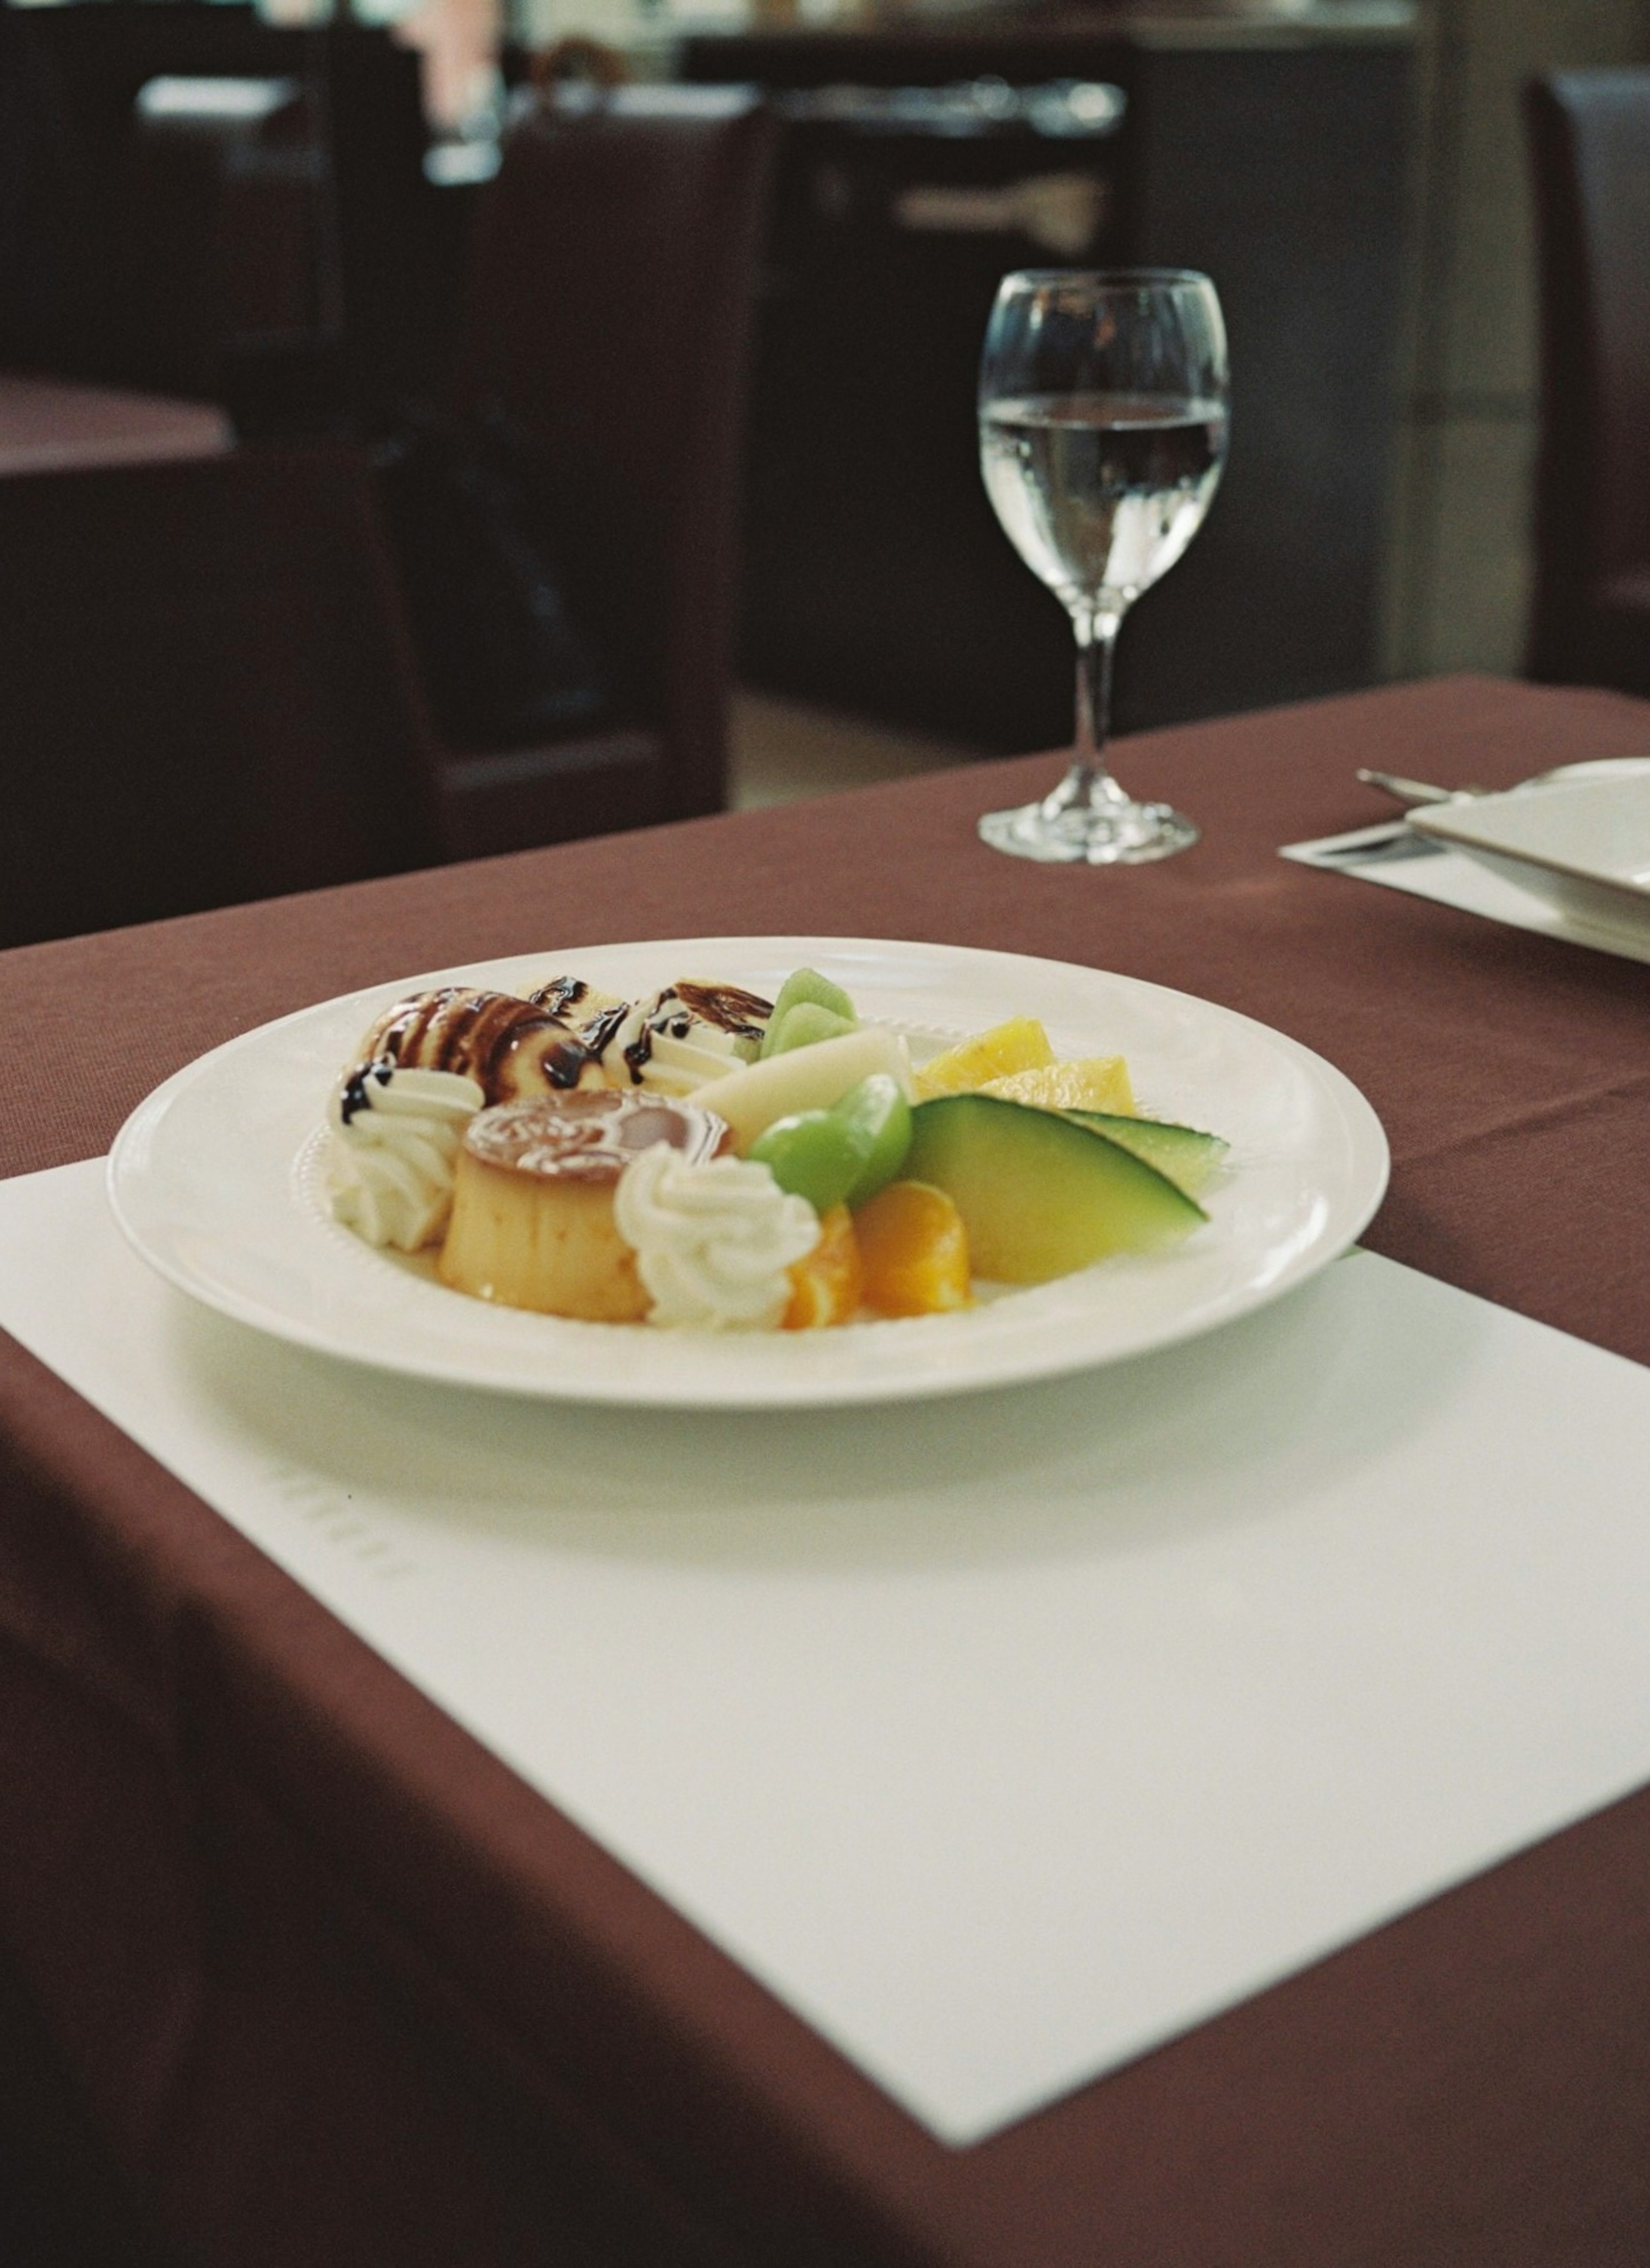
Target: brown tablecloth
339,1988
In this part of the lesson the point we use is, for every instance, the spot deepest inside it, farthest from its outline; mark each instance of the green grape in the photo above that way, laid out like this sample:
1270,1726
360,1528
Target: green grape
879,1118
842,1155
815,1155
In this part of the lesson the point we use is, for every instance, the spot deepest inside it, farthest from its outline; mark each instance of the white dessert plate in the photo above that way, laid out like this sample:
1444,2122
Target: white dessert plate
1579,841
217,1180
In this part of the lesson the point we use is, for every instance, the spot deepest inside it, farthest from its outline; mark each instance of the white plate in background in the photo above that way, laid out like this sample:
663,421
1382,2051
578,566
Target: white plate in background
1579,841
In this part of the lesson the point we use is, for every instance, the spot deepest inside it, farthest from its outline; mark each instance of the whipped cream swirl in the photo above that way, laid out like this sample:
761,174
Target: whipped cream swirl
712,1242
395,1133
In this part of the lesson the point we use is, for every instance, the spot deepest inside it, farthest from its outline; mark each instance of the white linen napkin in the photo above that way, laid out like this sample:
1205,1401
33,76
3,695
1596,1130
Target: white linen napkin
1002,1738
1391,855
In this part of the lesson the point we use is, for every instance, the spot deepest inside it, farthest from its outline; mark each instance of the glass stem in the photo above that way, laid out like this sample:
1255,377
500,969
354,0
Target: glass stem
1088,780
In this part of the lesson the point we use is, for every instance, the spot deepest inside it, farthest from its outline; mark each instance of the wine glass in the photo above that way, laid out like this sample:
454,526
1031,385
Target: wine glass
1102,436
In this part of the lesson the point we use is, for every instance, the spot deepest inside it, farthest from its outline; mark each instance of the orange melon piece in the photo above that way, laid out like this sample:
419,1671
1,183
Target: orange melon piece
825,1284
914,1251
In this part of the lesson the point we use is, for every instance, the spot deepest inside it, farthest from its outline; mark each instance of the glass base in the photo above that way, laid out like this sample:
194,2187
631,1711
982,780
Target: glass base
1106,833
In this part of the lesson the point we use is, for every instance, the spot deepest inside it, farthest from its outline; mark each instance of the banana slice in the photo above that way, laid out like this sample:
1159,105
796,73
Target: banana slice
678,1039
571,1001
510,1046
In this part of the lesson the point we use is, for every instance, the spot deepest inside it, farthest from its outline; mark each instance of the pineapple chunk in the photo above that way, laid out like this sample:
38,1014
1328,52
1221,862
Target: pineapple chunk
1092,1083
1021,1044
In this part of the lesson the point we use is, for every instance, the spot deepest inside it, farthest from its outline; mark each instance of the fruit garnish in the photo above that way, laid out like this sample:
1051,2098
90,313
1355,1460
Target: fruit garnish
807,1078
1089,1083
913,1251
1013,1165
805,1025
844,1155
806,987
1020,1044
1189,1158
1042,1194
877,1116
811,1155
826,1282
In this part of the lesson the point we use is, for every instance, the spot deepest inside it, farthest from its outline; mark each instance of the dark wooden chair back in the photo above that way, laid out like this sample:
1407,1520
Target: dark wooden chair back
172,249
204,692
1590,137
610,318
208,691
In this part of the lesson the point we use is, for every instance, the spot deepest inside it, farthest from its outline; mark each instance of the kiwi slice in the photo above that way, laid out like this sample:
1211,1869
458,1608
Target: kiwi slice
804,1027
806,988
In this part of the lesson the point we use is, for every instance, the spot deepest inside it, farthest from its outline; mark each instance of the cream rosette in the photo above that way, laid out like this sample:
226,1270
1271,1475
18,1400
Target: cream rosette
713,1242
395,1134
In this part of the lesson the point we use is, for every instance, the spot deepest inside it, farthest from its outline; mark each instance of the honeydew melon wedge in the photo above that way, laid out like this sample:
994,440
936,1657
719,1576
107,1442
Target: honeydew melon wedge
1041,1194
1189,1158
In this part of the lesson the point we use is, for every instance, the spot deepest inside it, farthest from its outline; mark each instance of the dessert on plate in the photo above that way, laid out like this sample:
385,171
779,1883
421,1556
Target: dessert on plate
703,1158
533,1221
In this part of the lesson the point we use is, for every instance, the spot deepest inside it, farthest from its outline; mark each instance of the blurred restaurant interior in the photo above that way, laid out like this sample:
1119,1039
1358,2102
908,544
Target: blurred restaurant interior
435,429
285,232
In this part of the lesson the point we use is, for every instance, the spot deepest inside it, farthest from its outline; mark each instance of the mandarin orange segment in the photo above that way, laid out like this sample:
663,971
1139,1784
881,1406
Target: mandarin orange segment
825,1284
913,1250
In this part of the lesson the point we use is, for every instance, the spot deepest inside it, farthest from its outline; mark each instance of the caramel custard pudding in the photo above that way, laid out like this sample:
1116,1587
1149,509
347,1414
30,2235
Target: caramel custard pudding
532,1223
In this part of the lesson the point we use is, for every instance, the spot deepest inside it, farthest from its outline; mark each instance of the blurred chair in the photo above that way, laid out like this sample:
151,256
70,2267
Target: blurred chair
294,262
609,322
1590,138
205,692
209,688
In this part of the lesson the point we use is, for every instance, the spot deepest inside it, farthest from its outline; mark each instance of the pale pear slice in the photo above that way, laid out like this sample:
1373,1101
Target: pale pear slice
807,1078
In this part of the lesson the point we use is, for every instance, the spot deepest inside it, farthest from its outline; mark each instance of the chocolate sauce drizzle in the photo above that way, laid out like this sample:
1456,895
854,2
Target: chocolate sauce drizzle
479,1035
566,1062
560,997
597,1034
355,1096
744,1014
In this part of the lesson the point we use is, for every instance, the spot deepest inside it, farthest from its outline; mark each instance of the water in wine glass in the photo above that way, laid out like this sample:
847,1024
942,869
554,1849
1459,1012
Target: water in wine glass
1100,493
1103,434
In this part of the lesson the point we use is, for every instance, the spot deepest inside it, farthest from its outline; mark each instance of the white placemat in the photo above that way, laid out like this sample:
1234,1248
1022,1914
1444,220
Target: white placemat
1002,1738
1391,855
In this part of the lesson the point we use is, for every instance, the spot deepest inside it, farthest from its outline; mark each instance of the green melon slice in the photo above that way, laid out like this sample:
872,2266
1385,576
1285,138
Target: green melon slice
1040,1194
1189,1158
